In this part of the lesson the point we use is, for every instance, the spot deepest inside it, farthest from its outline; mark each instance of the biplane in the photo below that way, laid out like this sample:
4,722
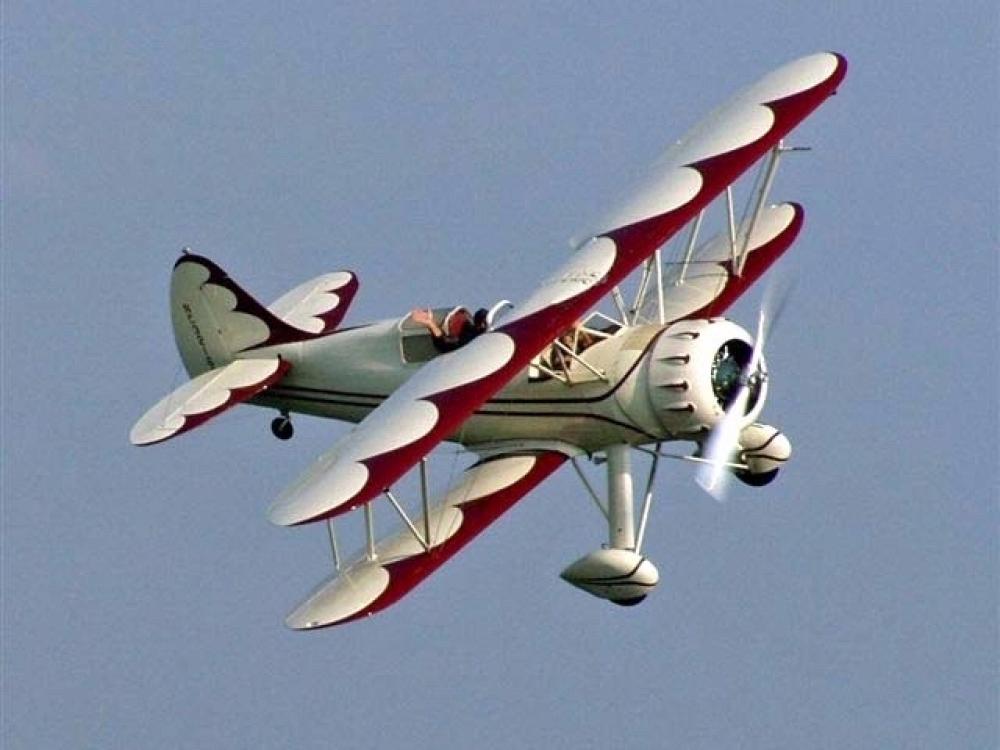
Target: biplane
524,388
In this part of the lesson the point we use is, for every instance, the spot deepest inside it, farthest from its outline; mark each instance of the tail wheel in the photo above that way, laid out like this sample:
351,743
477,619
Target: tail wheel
282,427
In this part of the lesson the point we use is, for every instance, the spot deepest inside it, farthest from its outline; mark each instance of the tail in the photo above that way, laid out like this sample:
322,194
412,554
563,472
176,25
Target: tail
215,320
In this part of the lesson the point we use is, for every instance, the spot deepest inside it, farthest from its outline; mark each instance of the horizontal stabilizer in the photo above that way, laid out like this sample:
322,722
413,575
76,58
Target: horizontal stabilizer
369,585
319,305
210,393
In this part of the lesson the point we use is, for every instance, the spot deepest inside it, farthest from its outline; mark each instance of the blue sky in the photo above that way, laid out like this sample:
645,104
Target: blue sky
446,152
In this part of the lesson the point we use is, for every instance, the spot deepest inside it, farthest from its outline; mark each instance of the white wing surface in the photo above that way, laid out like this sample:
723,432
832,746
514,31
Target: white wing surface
215,319
434,403
209,394
709,284
317,306
400,563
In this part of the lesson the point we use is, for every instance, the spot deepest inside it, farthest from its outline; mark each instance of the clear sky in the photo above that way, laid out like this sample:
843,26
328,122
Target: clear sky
445,152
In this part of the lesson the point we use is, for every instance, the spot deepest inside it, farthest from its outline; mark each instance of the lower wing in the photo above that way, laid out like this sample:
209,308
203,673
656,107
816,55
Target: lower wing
372,583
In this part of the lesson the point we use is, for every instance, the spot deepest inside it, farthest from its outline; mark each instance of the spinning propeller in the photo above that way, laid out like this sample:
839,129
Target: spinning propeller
723,442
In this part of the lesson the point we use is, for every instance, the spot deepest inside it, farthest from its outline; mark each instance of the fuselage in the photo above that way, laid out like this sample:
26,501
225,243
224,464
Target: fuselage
636,384
348,374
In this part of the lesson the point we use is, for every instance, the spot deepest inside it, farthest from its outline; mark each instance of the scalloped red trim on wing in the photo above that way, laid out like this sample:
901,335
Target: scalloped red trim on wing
340,292
207,396
486,491
434,403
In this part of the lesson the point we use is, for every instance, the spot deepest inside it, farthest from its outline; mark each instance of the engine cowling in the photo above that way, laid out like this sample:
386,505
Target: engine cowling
690,376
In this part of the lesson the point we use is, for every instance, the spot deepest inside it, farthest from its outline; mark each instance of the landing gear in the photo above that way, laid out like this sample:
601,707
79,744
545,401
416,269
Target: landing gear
282,427
618,572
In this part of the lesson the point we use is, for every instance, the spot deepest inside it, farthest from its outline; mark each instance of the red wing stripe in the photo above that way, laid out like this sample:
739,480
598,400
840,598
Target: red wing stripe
318,306
710,284
486,492
208,395
275,330
387,443
756,264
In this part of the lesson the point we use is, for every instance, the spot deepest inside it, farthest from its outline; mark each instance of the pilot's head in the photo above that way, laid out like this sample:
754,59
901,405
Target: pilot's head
481,319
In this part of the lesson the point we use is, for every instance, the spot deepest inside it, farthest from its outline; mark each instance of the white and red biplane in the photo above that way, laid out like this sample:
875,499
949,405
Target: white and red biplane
541,384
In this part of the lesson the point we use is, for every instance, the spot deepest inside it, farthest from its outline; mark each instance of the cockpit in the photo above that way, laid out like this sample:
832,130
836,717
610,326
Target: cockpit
557,361
427,333
424,334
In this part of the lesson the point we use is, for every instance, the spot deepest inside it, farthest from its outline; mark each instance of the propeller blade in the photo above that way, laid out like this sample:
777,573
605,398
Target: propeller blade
719,448
776,297
723,441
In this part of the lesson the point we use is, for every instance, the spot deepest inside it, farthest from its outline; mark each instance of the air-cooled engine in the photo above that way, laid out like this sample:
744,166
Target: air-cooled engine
690,377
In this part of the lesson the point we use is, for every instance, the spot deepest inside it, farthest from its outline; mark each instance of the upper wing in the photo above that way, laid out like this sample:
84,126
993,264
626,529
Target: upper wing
435,402
369,585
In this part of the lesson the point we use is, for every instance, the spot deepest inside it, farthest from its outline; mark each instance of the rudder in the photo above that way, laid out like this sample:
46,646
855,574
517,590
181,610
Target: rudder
215,319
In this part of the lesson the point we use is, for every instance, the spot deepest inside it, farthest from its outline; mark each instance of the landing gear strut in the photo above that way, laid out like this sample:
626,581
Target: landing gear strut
282,427
618,572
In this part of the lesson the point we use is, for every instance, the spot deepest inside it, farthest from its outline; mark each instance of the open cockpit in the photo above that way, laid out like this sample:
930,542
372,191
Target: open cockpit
426,333
564,360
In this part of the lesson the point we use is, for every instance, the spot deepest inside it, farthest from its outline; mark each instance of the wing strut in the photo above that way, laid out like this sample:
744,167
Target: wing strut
653,267
731,224
385,571
334,550
647,501
661,310
692,241
767,172
422,540
739,240
770,167
425,499
369,533
425,539
619,300
640,295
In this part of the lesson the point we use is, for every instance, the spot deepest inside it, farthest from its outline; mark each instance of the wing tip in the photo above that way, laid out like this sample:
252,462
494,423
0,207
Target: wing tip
840,69
280,514
145,440
799,214
285,513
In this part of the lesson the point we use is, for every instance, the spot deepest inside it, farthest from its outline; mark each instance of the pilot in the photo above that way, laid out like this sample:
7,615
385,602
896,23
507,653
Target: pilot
457,330
576,339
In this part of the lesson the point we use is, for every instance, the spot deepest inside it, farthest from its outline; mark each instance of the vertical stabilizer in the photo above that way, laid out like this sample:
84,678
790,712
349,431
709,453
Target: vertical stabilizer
215,319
